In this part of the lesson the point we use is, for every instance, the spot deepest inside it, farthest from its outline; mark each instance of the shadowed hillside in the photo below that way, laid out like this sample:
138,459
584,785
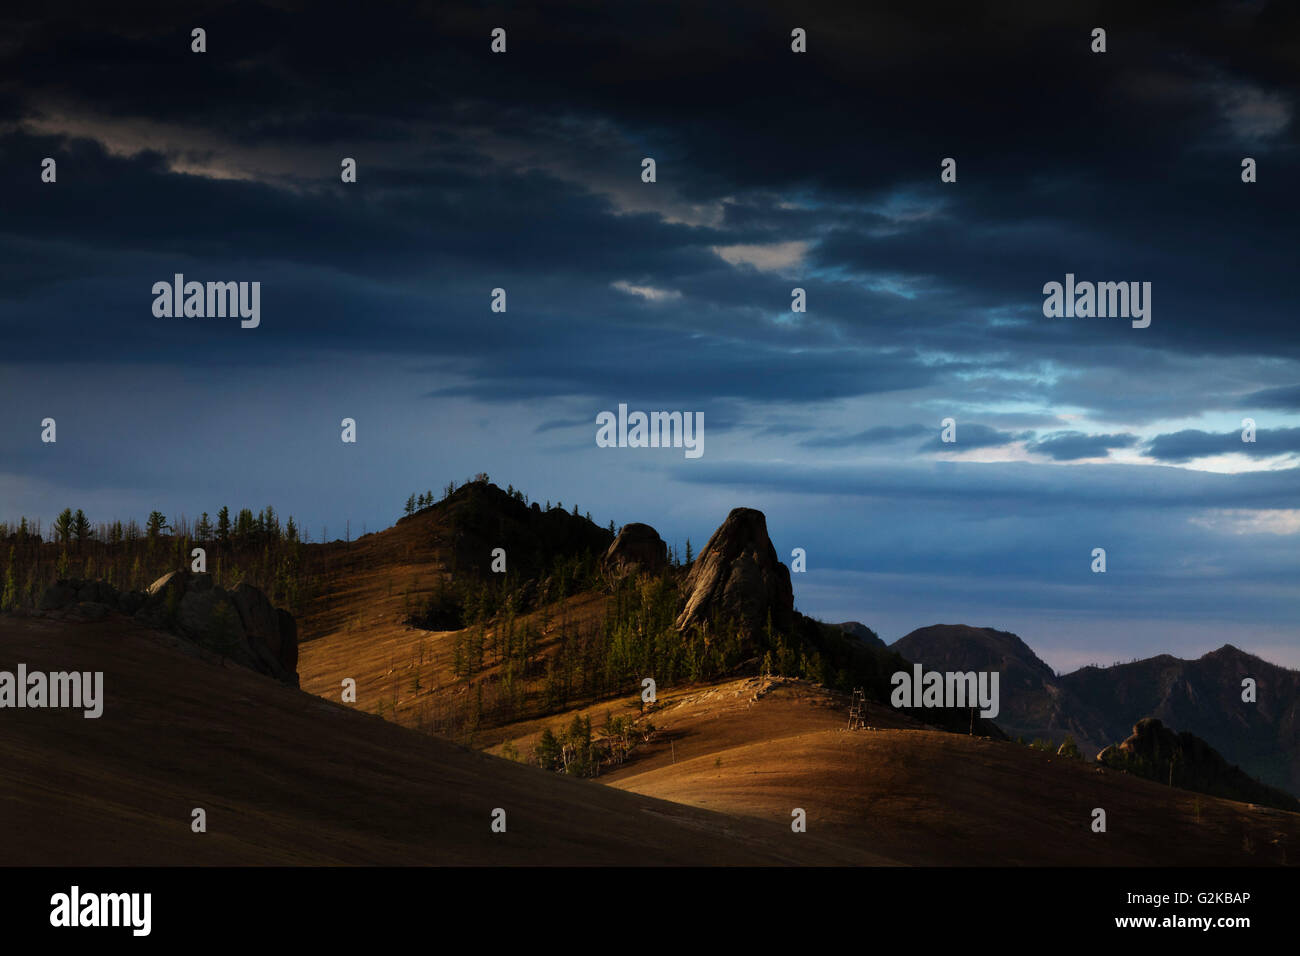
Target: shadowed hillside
1099,706
286,778
918,795
1184,760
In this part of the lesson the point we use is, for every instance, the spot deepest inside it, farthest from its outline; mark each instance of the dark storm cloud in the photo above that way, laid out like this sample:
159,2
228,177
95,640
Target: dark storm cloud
562,423
1287,397
971,436
1070,446
896,260
781,430
715,371
585,65
1192,443
872,436
522,222
1105,166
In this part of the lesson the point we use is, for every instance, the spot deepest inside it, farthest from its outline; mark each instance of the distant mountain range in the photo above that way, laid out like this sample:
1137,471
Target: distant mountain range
1099,706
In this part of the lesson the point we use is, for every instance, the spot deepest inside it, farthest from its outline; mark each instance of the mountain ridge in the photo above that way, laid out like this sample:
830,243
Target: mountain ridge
1098,706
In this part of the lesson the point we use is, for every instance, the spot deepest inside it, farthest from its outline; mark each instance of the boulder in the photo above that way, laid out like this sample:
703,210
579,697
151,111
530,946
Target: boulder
257,615
167,580
637,548
163,600
241,624
288,643
208,617
128,602
59,595
97,592
87,611
268,639
737,577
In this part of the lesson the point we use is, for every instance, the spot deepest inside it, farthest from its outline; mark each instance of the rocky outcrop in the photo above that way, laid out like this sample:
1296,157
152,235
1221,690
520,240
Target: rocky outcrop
638,548
1184,760
288,641
77,600
241,624
738,578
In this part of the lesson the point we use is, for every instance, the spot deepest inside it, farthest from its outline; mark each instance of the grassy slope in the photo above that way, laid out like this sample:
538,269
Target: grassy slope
287,778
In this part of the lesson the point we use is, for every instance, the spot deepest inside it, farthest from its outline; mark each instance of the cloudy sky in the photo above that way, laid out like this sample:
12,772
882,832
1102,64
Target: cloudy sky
775,170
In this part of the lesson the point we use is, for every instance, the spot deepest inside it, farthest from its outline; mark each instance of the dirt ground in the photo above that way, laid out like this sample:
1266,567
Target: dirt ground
759,749
288,778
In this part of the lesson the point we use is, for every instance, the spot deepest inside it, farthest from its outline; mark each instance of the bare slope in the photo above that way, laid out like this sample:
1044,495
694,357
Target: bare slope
928,797
287,778
356,624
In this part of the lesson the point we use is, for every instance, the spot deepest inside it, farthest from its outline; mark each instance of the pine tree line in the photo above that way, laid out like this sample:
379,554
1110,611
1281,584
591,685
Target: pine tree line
253,547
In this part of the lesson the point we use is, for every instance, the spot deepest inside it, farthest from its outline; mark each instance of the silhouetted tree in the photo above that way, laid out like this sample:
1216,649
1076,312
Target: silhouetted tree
81,528
271,523
63,526
156,524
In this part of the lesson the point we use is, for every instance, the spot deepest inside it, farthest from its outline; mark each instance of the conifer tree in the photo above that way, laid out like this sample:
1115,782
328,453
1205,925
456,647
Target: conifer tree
156,524
81,528
63,526
9,597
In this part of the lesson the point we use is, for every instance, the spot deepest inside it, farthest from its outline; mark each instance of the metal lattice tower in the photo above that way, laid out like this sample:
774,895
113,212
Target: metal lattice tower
856,721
